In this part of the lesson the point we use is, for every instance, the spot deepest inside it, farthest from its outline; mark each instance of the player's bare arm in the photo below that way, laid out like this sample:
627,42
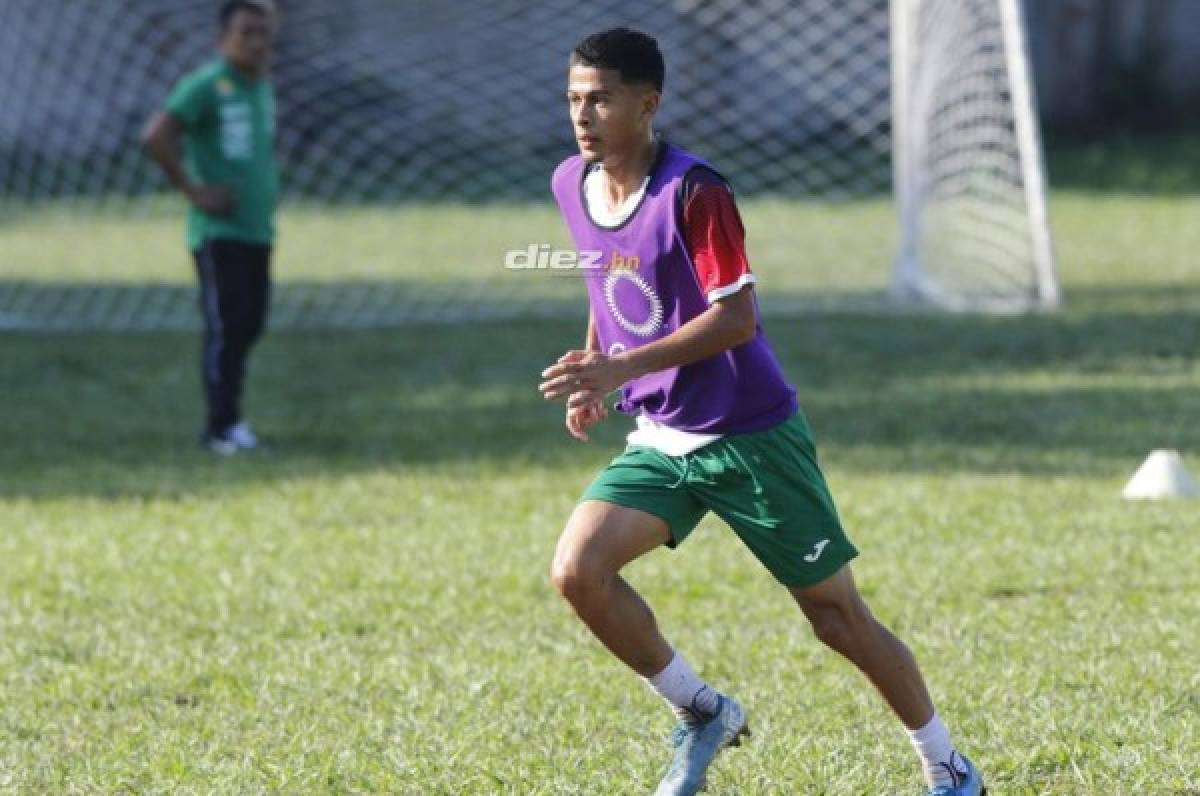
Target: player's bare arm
587,376
163,141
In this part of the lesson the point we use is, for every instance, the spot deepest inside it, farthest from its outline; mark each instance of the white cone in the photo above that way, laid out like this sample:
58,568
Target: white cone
1162,475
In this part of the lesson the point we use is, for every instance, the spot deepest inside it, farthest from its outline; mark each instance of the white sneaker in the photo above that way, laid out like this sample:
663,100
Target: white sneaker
221,445
241,436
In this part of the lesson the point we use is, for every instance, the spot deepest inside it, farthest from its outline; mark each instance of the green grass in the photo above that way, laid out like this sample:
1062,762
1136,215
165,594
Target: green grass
350,265
797,247
449,247
366,609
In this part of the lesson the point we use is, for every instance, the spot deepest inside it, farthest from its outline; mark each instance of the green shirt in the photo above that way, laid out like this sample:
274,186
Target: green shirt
229,134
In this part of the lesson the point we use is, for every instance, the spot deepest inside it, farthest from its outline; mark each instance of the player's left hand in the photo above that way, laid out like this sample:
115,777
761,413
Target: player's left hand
581,418
584,376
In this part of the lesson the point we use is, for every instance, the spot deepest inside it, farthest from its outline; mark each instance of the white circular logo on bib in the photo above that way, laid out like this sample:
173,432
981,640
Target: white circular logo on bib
654,311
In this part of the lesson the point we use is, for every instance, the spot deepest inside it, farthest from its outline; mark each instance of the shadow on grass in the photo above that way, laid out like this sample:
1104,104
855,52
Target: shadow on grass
27,305
1087,391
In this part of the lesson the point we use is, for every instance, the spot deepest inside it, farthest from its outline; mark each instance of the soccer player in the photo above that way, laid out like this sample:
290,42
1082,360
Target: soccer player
223,114
674,324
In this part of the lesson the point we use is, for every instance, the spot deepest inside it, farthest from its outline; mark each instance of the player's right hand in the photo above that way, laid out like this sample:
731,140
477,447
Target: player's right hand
581,418
214,200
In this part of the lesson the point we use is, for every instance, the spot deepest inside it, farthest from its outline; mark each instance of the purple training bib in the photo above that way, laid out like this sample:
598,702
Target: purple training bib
645,287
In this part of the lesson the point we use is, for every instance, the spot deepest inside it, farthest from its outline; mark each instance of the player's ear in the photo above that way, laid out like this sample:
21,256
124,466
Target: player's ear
650,100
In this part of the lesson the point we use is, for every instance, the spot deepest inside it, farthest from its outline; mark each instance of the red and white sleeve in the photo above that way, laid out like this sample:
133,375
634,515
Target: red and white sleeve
715,236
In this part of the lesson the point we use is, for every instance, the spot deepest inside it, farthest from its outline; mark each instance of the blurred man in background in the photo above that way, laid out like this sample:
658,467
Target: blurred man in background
215,142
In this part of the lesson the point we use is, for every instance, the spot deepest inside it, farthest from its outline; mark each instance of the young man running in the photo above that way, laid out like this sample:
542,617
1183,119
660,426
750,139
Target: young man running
675,326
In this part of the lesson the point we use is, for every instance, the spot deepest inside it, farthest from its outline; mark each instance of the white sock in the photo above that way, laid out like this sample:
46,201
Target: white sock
689,696
939,759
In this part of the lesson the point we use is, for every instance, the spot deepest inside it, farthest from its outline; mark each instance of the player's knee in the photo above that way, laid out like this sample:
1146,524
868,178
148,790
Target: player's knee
575,577
830,627
842,625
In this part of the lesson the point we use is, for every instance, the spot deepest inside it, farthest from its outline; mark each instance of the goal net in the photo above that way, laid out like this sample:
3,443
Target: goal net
877,150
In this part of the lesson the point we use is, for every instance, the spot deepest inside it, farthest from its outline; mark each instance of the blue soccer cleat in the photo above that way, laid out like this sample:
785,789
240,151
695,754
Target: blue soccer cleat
968,783
697,743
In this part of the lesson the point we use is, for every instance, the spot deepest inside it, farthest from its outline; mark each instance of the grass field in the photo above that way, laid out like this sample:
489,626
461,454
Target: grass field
366,608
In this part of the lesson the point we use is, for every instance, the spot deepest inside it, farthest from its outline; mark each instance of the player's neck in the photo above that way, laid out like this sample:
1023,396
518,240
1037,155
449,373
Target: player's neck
626,171
249,74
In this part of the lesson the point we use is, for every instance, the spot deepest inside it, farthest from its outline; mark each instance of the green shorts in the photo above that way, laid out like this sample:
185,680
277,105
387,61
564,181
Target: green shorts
766,485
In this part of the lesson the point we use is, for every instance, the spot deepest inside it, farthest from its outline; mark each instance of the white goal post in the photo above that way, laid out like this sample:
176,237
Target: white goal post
969,178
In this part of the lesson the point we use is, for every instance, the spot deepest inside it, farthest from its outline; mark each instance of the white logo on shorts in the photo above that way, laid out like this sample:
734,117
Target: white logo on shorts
817,550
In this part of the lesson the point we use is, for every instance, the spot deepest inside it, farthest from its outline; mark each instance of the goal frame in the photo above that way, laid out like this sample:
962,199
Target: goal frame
908,279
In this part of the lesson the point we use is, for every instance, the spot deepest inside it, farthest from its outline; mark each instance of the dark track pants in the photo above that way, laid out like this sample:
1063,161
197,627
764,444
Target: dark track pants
234,290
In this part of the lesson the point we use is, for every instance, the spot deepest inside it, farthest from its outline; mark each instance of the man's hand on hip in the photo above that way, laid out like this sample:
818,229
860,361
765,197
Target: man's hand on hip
215,200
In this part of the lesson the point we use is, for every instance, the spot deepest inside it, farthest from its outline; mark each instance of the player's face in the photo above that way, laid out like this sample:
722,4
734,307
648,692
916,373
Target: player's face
609,117
247,40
